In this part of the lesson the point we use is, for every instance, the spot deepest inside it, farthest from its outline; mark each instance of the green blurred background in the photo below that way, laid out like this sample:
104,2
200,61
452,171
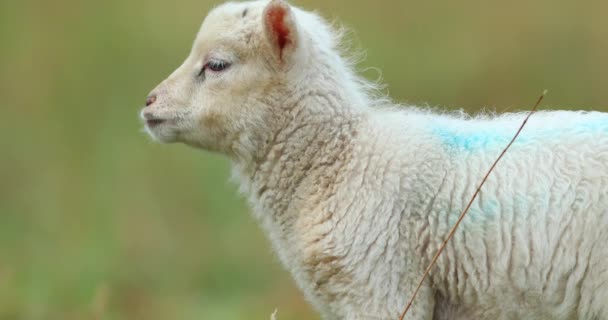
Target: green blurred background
97,222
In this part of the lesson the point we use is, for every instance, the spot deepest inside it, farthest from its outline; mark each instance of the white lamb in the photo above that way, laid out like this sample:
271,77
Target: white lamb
356,193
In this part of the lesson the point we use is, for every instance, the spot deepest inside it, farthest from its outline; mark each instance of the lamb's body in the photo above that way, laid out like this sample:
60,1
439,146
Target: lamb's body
360,225
356,199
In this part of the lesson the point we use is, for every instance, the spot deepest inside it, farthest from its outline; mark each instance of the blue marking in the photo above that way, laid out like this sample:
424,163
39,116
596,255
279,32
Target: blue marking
599,125
471,141
490,207
467,139
487,211
475,217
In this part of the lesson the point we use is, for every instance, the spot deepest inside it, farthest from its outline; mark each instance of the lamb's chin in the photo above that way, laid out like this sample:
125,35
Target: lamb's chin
160,134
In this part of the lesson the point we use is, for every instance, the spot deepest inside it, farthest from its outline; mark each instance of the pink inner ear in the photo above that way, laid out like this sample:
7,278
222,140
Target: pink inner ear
276,18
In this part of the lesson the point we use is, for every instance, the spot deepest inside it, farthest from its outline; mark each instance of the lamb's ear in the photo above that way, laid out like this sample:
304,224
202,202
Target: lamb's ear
280,28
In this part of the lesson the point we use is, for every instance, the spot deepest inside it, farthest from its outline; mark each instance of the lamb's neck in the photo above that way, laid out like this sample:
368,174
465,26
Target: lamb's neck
320,127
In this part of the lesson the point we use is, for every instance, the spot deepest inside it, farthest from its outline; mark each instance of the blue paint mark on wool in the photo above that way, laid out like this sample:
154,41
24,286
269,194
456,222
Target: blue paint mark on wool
598,125
480,212
472,140
486,138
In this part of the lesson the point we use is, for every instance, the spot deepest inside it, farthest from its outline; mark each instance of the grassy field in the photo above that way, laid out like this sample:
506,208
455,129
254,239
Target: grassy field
97,222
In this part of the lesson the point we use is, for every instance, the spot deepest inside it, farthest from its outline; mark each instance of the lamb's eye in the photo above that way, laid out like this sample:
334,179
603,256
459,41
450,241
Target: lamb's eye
217,65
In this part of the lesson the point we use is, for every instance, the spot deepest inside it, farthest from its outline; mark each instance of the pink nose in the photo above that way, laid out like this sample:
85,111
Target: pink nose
150,100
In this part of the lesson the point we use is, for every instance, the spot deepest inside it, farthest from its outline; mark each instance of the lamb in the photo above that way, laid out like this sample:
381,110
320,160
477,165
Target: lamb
357,193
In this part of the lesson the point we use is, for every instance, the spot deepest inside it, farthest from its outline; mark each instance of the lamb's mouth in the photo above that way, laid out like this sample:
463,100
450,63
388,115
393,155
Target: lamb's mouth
151,123
152,120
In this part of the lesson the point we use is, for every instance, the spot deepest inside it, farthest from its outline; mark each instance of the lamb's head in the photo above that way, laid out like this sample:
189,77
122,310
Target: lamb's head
228,91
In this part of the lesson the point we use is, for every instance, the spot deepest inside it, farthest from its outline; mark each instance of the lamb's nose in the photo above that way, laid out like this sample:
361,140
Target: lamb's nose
150,100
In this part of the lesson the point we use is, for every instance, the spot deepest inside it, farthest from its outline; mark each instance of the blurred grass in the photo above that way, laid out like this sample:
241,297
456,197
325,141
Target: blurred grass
97,222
